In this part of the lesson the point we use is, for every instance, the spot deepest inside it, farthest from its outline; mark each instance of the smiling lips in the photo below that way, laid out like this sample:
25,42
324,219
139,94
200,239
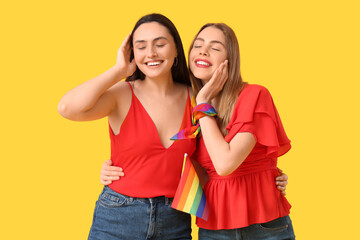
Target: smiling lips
202,63
153,63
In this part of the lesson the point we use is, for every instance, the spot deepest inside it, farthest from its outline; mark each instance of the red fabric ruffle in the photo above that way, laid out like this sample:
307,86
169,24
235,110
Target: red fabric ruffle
248,195
255,112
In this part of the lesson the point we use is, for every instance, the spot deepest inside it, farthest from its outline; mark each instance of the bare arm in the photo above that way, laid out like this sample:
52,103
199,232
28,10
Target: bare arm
94,99
225,156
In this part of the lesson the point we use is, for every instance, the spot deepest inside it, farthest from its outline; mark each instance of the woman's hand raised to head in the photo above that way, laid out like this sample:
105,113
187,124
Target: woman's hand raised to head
212,88
110,173
93,99
123,62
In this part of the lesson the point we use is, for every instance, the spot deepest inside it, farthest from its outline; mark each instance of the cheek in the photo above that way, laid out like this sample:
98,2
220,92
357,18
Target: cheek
172,52
192,67
225,57
137,62
192,54
221,57
219,61
191,60
138,56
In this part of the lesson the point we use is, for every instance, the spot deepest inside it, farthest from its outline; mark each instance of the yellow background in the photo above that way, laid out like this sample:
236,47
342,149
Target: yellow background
305,52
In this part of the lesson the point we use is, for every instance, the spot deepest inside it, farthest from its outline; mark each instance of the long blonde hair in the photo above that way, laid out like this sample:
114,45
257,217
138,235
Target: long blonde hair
228,96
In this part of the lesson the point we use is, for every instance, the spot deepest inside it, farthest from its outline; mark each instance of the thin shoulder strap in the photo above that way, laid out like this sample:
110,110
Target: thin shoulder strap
132,90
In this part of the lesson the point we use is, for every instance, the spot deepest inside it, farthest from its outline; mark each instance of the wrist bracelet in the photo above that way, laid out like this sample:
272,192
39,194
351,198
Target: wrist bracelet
202,110
199,111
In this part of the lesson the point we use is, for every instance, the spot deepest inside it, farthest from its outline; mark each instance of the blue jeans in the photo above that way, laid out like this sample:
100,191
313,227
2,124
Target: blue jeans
278,229
117,216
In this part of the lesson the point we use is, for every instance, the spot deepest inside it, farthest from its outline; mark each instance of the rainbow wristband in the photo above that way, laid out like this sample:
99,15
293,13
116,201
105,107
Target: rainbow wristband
199,111
202,110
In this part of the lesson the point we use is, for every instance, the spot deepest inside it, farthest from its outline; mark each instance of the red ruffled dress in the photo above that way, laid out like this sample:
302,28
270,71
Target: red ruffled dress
249,194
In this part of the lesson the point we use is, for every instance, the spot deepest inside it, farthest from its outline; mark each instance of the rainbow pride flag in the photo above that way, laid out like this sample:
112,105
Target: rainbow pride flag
190,196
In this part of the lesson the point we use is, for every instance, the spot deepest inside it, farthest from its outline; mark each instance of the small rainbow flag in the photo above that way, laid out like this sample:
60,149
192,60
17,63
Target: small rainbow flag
190,196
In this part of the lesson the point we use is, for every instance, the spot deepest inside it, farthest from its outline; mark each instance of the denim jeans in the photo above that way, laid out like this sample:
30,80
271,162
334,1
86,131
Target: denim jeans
278,229
117,216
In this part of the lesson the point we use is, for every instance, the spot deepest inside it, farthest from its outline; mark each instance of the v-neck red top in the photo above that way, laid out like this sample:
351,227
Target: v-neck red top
151,170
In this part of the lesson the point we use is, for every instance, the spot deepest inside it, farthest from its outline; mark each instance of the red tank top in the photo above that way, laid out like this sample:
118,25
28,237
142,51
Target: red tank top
151,170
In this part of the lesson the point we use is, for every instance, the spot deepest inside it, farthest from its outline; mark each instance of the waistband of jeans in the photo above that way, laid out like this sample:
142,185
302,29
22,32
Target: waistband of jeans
159,199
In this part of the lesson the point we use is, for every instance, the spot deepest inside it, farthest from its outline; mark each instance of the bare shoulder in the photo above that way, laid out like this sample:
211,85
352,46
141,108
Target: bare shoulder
184,89
120,87
121,92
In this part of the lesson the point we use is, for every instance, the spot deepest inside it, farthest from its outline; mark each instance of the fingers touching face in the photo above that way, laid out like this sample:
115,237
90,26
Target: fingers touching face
207,53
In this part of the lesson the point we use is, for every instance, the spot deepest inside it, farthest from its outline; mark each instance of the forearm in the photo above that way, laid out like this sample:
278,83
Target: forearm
83,97
226,157
216,145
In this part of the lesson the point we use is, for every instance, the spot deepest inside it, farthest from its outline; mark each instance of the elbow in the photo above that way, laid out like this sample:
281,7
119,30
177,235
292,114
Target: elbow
71,112
223,166
65,111
62,109
226,167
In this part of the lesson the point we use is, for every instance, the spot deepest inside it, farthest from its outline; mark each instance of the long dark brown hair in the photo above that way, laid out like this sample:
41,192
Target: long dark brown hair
179,70
230,92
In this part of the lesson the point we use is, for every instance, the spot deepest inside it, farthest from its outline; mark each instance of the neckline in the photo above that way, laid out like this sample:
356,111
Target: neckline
153,123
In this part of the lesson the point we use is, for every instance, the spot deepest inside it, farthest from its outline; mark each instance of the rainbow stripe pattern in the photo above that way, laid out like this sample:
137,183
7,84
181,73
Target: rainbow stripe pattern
199,111
190,196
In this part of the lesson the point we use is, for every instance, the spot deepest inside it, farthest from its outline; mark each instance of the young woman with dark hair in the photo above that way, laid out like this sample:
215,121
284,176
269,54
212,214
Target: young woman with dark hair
144,112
